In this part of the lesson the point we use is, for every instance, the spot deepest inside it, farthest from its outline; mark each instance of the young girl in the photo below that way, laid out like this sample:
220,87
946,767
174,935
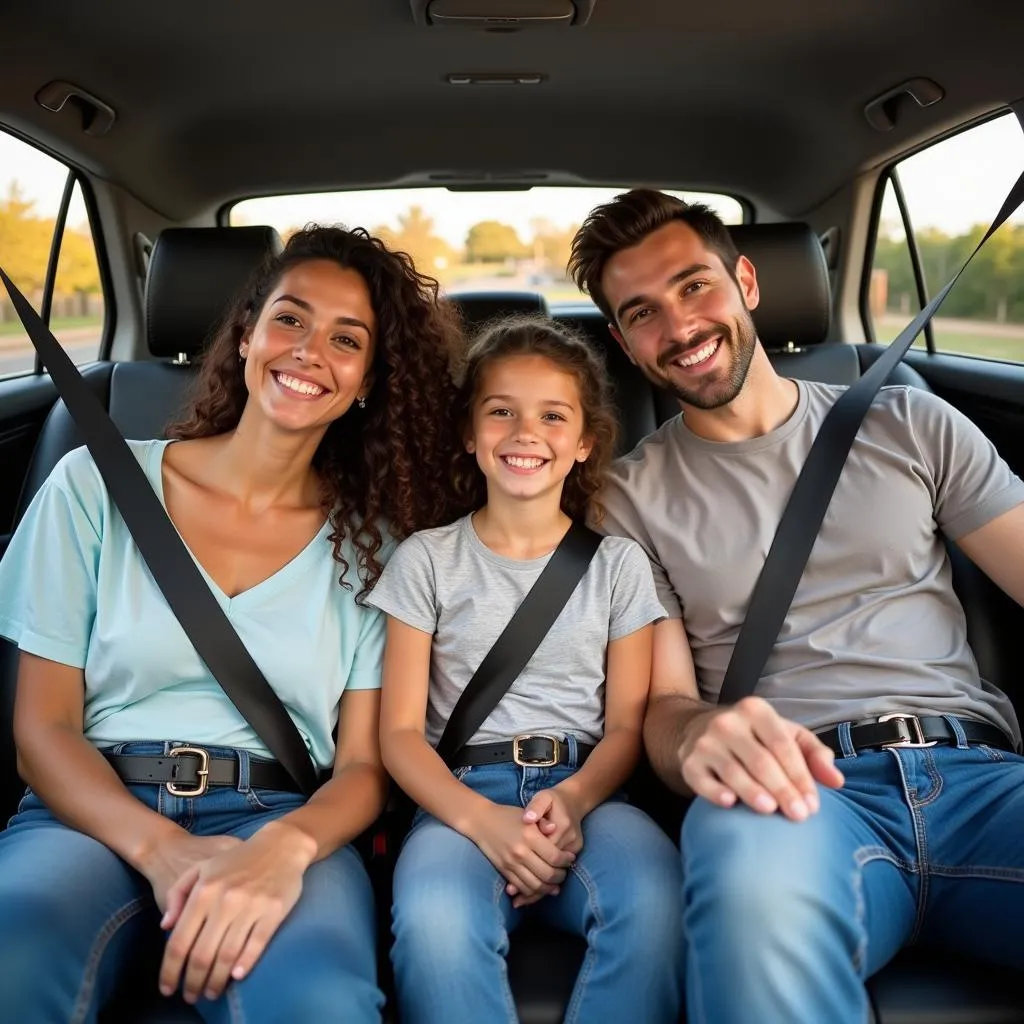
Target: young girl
499,839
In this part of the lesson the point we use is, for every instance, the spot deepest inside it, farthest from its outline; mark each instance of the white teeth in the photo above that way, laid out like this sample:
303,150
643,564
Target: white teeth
704,352
523,463
302,387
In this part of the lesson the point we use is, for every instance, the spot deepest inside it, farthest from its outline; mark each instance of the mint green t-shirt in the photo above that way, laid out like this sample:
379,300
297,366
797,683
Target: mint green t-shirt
74,589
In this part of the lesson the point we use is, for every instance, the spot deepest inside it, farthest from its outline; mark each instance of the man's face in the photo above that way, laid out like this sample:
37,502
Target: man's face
682,317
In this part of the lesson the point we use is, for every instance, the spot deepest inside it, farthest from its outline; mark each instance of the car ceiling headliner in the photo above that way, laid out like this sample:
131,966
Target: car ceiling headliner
764,99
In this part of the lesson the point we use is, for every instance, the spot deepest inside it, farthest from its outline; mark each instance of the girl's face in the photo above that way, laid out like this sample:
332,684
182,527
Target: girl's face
308,357
527,429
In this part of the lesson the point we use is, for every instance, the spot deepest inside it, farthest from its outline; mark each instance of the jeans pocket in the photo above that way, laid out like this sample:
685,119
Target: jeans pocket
280,800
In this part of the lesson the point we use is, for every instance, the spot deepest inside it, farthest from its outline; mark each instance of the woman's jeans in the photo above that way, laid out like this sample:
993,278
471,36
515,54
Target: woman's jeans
452,916
785,920
73,913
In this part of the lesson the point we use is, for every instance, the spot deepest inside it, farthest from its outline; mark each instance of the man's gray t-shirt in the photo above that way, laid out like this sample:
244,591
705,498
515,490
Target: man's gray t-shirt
448,583
875,626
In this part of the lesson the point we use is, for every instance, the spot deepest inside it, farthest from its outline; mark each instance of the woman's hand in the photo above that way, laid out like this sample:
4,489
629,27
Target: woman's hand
224,910
178,854
532,864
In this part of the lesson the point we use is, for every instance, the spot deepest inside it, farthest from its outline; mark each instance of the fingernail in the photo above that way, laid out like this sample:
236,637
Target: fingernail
166,990
210,994
798,809
813,803
530,815
765,804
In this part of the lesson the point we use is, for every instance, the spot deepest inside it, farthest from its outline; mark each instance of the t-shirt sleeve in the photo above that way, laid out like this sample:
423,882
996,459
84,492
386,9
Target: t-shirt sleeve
972,483
368,662
623,519
634,601
48,575
406,589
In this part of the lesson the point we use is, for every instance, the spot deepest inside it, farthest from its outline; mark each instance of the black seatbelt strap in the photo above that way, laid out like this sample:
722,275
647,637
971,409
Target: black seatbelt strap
520,639
802,518
169,561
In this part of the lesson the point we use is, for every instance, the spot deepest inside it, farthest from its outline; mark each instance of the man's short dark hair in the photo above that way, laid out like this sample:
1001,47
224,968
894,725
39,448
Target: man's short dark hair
626,221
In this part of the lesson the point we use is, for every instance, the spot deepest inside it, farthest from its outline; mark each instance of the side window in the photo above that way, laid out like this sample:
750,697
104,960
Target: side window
34,212
936,206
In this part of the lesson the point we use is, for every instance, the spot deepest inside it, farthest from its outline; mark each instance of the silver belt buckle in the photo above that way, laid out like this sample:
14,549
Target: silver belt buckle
911,731
517,754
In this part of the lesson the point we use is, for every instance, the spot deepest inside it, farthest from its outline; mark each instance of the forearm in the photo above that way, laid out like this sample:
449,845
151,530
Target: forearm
426,779
77,783
338,812
668,724
607,768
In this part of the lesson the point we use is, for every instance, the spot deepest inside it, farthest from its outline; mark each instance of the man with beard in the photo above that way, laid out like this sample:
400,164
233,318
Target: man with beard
801,880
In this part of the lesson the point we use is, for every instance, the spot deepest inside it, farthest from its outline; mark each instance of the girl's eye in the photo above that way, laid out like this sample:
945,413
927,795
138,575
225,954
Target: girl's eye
347,341
499,412
288,319
558,417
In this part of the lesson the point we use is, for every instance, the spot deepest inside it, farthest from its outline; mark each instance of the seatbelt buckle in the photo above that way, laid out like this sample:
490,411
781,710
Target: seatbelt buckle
910,729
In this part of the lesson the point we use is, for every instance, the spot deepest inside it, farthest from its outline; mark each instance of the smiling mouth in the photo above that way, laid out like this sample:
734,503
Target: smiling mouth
297,386
524,463
698,357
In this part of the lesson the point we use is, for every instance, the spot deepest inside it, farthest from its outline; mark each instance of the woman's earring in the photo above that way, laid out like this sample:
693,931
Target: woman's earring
361,400
241,353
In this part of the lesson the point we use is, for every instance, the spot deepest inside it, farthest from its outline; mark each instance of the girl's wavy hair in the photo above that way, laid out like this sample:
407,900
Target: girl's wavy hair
387,463
537,336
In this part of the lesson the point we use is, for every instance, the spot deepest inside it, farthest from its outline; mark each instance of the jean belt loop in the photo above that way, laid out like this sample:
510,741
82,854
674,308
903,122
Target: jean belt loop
574,751
243,770
958,730
845,740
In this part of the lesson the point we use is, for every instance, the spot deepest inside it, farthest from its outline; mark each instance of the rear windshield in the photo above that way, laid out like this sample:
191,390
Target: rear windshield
470,241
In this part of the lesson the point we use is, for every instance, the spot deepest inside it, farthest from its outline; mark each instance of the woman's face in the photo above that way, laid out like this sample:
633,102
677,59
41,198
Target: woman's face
308,357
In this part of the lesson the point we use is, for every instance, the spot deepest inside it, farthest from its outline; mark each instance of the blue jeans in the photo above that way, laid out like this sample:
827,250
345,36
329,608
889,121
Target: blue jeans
785,920
452,917
73,914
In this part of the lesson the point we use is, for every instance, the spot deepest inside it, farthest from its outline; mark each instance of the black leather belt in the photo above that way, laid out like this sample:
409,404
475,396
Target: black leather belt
530,750
900,730
190,771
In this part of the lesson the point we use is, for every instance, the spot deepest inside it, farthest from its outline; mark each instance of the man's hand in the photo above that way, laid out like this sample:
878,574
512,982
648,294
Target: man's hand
750,753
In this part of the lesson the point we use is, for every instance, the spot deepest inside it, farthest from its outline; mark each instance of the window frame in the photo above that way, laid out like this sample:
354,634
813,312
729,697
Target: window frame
890,172
74,177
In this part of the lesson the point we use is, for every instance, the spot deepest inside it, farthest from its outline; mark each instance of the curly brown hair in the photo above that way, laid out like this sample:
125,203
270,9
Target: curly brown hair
382,465
538,336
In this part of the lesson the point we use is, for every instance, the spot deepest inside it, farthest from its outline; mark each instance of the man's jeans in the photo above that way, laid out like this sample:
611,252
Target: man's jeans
452,915
73,914
785,920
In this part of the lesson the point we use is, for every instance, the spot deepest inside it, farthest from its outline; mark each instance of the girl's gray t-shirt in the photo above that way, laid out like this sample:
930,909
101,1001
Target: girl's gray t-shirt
446,582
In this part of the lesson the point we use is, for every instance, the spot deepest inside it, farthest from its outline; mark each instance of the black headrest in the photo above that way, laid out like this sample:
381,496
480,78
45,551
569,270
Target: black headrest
193,274
792,274
479,307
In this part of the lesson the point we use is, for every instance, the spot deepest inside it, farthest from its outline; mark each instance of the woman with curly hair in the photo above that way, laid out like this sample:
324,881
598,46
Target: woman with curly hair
313,433
527,818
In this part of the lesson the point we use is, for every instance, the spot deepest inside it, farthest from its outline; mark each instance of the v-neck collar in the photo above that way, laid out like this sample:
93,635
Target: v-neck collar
154,470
